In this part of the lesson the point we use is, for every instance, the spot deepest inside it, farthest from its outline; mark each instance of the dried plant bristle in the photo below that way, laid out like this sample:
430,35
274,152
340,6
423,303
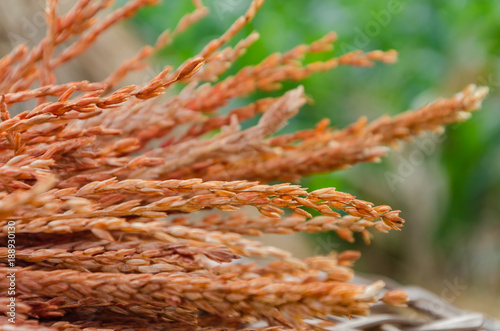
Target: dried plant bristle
104,190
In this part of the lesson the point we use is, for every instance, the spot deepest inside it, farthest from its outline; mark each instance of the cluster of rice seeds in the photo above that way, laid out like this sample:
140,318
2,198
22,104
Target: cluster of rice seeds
106,237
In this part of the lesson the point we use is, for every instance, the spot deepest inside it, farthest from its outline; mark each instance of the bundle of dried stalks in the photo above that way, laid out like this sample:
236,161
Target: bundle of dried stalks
88,176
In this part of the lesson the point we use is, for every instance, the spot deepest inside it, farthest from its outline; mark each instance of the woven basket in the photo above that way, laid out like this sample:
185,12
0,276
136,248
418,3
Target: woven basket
425,312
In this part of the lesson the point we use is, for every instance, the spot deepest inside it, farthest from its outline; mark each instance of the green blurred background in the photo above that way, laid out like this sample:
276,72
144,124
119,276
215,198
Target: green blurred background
451,199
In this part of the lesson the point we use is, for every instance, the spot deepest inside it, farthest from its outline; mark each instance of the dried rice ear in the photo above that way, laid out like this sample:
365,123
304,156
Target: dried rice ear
130,207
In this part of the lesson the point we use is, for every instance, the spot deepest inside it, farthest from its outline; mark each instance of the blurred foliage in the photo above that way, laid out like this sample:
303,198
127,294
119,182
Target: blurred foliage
451,199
